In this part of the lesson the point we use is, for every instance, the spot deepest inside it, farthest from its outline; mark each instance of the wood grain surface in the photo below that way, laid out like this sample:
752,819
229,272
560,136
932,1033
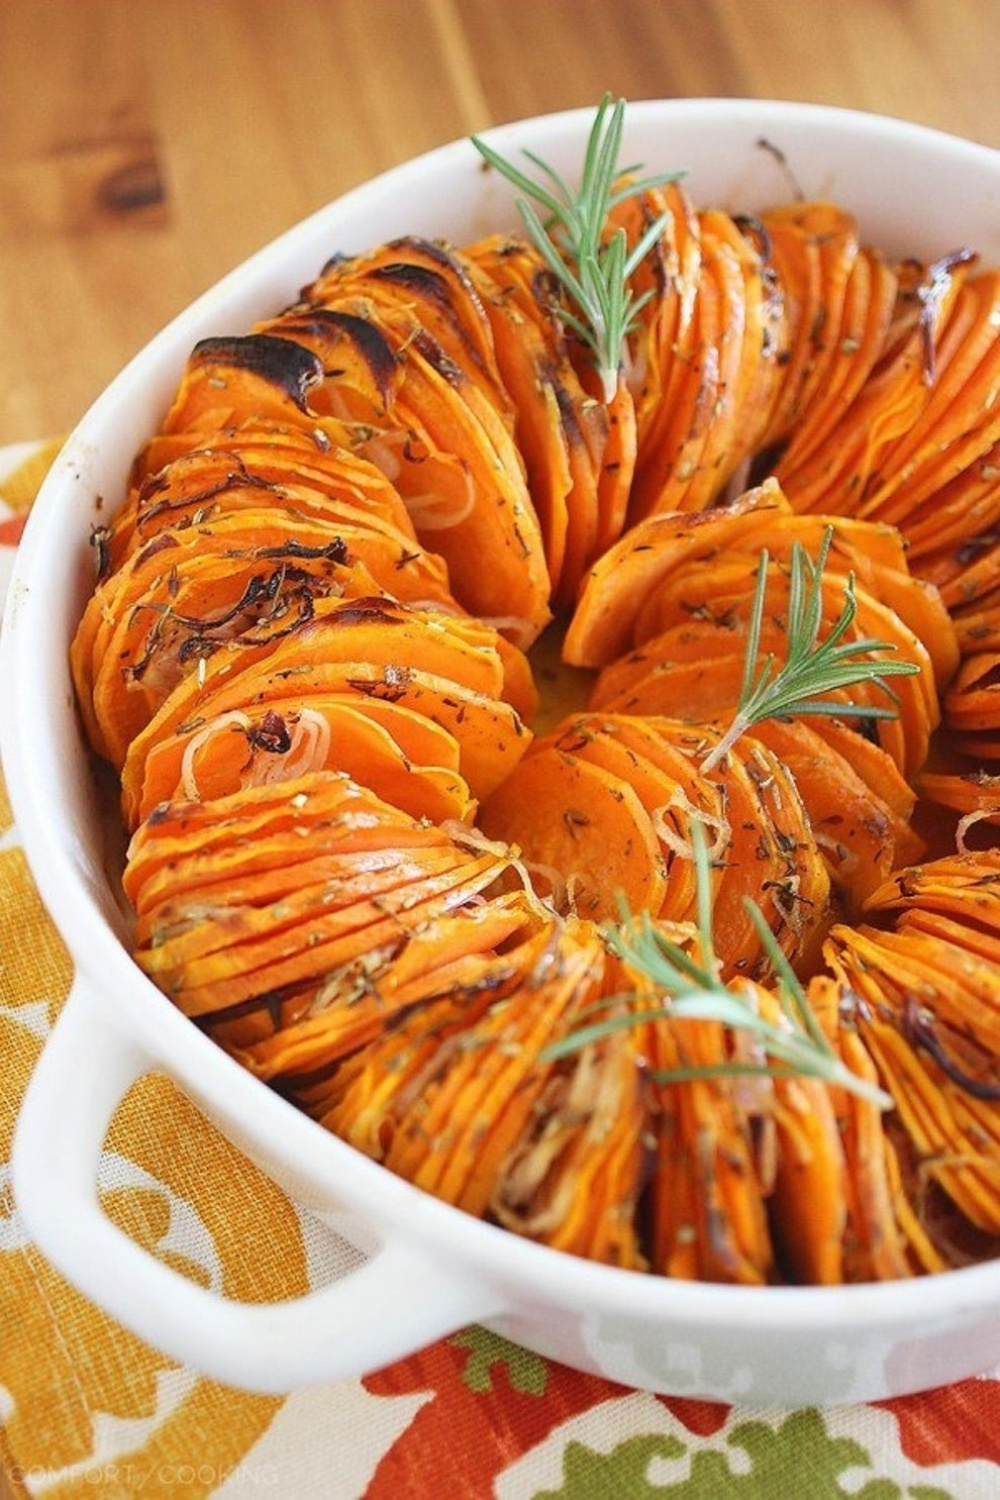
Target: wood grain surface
146,146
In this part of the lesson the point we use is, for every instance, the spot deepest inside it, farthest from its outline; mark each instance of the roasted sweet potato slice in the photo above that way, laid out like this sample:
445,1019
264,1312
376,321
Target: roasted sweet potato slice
812,246
356,862
277,826
444,446
706,1199
471,1112
585,822
668,328
283,740
440,979
876,1247
626,576
276,450
773,859
288,538
433,279
944,537
965,886
666,783
949,1134
706,686
230,378
875,766
888,404
368,647
579,452
347,947
973,794
856,830
851,319
512,281
491,737
177,601
186,933
200,487
700,665
972,704
932,1020
674,471
616,464
671,571
573,1178
808,1202
959,422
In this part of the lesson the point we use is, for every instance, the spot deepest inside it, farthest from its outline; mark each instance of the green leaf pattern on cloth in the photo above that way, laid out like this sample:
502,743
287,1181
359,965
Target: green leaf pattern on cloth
527,1372
798,1458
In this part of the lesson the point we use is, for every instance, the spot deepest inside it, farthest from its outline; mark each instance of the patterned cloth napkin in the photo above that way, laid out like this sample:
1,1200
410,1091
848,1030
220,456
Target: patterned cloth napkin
88,1410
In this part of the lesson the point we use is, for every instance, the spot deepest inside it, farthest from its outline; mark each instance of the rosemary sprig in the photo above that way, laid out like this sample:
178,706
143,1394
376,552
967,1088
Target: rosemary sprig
811,667
592,267
687,987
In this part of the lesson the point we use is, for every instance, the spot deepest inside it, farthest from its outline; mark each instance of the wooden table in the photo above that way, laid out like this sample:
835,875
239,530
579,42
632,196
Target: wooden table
146,146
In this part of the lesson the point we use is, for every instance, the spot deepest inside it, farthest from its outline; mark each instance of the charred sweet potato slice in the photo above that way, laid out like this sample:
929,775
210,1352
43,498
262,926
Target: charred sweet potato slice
443,444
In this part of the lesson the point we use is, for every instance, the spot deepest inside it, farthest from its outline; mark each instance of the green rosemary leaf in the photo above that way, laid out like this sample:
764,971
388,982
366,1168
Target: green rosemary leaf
687,986
790,992
753,634
674,968
559,183
719,1070
555,262
823,707
522,181
812,668
592,267
583,1036
643,245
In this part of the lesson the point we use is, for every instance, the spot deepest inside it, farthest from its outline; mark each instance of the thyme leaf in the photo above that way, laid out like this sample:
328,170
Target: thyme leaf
812,668
686,986
592,266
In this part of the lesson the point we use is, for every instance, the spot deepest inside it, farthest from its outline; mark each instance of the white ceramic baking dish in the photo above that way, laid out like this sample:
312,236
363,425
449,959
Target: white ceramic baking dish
429,1269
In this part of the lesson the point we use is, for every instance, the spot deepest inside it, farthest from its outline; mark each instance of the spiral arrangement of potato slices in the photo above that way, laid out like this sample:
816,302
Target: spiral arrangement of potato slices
357,869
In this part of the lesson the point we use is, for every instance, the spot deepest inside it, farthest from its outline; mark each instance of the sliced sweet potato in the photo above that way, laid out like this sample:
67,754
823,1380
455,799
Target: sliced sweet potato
443,445
856,830
585,822
369,647
959,422
576,451
284,740
442,977
972,704
618,585
667,785
888,404
808,1205
812,248
709,1219
437,283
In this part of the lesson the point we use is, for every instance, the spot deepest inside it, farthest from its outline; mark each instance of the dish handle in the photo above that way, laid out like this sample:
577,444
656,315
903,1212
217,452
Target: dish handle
395,1303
